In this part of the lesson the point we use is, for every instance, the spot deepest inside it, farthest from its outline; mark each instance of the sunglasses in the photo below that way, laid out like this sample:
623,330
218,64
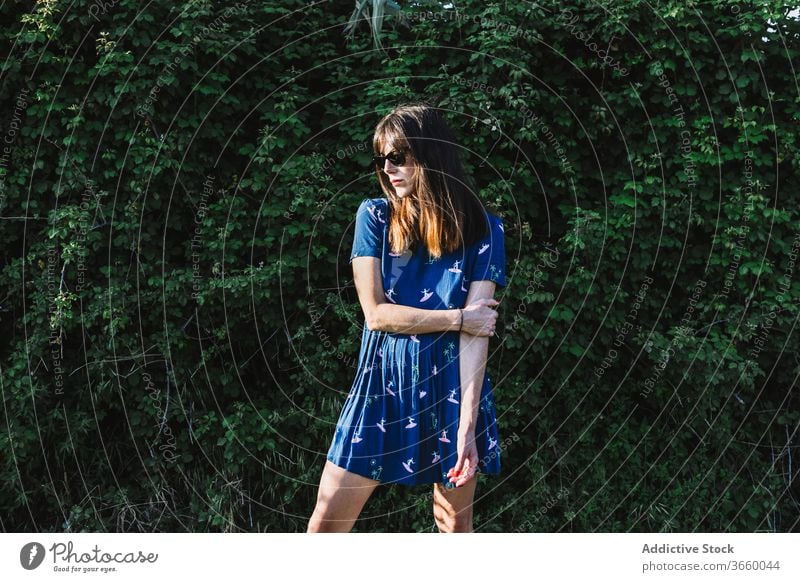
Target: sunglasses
398,158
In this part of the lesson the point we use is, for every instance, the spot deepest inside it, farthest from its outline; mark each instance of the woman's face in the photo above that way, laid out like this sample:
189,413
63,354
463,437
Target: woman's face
400,176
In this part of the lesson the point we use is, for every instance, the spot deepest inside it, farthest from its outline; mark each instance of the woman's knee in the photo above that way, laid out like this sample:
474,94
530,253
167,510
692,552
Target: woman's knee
323,520
451,522
316,525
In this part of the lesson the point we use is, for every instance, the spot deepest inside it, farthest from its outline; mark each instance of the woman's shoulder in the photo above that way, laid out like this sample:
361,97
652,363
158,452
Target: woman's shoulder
495,218
380,202
495,224
372,204
373,213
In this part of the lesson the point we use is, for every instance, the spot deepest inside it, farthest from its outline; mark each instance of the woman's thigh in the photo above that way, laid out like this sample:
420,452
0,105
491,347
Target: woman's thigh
340,499
454,506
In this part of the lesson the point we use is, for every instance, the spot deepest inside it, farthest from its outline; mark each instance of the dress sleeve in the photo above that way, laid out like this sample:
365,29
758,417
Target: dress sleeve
368,237
490,259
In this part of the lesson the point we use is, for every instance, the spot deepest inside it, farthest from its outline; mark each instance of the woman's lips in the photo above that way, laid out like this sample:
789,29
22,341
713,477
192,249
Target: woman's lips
396,182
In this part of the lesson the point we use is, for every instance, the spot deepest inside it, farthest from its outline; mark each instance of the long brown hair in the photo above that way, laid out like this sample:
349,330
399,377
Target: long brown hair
443,210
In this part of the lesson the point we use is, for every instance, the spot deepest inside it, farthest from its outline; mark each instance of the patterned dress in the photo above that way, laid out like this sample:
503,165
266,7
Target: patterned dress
400,420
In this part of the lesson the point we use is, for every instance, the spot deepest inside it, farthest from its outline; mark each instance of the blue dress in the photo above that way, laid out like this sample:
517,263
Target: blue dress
400,420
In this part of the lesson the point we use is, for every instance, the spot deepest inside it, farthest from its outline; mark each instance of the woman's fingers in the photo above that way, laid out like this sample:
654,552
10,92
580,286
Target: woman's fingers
455,472
465,468
480,317
470,468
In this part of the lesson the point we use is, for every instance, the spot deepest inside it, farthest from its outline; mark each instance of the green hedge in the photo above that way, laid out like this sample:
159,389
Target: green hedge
180,324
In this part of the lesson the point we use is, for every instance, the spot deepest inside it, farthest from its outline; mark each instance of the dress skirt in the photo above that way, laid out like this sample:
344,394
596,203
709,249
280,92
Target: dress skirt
400,420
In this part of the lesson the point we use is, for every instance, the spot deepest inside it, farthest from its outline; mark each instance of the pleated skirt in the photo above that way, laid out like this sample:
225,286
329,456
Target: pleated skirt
399,422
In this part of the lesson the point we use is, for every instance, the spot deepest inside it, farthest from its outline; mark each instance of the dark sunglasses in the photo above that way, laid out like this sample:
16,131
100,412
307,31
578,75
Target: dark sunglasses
398,158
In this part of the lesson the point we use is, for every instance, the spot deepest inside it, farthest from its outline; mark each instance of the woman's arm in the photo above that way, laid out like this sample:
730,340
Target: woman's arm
473,352
381,315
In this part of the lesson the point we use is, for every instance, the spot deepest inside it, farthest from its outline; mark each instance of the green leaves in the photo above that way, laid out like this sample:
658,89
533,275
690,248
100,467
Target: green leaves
210,252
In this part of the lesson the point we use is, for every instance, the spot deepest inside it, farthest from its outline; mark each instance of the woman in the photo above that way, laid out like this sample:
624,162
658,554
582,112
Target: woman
426,260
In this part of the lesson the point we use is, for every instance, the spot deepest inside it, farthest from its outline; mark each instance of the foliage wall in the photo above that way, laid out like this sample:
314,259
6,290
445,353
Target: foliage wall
180,328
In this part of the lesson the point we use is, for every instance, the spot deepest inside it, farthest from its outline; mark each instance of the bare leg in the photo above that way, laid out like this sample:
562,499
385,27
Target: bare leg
452,508
341,498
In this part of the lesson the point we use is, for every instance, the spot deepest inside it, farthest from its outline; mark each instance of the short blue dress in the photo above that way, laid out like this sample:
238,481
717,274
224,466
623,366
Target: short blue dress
400,420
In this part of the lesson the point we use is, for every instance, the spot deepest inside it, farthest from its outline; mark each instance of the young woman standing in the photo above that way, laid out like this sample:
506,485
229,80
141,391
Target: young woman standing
426,260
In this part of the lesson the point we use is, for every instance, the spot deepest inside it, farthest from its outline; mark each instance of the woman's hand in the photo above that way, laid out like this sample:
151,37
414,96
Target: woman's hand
467,464
480,318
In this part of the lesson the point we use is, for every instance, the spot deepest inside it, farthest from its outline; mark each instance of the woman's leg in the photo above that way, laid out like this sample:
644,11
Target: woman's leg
341,498
452,508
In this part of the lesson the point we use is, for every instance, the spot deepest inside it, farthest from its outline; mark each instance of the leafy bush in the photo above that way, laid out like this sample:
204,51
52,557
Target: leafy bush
178,191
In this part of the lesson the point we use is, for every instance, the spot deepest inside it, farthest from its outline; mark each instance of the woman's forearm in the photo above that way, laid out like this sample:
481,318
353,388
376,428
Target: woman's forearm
412,320
472,355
